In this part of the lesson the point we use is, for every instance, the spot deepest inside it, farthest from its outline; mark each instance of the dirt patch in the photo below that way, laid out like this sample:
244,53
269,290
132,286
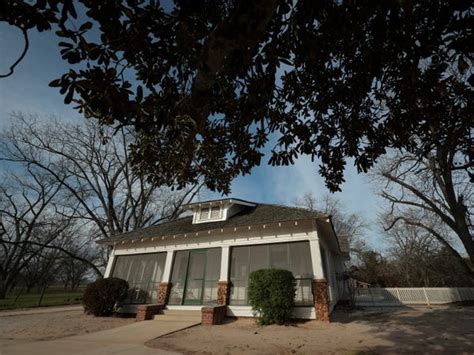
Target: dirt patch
47,326
424,330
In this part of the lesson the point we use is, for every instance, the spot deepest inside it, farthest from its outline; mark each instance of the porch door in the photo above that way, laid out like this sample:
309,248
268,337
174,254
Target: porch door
195,277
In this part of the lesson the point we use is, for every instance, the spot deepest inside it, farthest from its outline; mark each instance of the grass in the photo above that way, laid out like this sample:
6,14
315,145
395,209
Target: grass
52,297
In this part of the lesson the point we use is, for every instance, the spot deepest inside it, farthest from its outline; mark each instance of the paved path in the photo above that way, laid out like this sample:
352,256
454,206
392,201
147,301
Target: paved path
127,339
40,310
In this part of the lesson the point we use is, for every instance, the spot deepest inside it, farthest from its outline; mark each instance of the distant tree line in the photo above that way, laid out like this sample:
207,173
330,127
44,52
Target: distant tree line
413,260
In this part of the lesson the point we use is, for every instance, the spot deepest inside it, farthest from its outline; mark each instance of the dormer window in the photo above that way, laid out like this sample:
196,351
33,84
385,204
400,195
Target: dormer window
204,213
210,214
217,210
216,213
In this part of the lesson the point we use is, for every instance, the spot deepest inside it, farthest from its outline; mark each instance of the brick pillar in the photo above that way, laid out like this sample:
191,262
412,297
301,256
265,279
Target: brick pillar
223,290
147,311
321,299
212,315
164,292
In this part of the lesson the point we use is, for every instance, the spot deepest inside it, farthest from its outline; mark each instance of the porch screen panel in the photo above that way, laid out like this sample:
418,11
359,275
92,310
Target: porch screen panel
213,272
294,257
258,257
178,277
239,274
279,256
143,272
302,269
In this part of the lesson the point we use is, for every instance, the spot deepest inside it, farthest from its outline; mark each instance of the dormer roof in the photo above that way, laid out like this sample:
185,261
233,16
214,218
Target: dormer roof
236,201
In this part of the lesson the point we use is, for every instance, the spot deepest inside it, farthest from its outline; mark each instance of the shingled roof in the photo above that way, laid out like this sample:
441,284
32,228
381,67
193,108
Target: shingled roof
260,214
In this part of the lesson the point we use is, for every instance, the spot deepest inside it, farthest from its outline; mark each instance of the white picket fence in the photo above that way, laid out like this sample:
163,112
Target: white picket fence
394,296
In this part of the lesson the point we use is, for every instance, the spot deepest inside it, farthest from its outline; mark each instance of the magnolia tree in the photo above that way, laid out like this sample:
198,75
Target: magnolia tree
206,84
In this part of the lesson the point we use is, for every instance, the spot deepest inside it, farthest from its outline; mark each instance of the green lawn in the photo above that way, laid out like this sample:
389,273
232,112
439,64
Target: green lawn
53,297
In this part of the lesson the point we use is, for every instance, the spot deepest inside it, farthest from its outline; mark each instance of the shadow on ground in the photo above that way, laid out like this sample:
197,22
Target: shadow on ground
447,329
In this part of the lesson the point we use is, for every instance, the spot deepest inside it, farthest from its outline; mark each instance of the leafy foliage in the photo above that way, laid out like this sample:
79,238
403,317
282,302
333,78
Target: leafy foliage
205,84
102,296
271,294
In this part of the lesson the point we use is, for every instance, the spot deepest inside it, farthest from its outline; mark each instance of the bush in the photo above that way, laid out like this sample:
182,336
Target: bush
271,294
101,297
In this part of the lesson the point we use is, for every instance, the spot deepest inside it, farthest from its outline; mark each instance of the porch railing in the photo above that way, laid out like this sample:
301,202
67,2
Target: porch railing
303,296
140,293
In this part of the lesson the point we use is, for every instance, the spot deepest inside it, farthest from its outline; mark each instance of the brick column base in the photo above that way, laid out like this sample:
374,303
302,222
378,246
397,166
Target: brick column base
164,292
223,290
147,311
212,315
321,299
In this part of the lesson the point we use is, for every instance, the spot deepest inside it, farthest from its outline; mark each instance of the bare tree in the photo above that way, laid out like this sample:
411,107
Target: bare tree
67,259
73,185
72,273
93,168
432,191
349,225
411,251
416,259
25,207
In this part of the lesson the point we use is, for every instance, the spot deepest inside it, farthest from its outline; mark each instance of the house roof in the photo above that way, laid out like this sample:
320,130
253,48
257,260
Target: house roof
259,214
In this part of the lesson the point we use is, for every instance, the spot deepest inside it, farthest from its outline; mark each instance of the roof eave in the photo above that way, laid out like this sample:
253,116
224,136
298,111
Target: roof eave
114,242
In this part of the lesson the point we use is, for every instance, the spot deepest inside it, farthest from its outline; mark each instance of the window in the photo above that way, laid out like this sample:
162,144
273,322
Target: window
143,272
210,213
204,214
215,212
295,257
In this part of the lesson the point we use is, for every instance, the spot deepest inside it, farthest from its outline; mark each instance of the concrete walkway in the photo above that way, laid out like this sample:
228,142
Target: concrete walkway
128,339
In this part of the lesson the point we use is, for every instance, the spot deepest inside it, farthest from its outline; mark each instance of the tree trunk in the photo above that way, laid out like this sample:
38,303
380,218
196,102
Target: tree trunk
42,294
18,294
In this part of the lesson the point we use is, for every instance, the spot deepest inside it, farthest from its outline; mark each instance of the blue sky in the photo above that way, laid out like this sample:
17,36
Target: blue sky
28,91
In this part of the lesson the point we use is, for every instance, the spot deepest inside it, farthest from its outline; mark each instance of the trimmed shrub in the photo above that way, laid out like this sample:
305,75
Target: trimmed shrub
102,296
271,294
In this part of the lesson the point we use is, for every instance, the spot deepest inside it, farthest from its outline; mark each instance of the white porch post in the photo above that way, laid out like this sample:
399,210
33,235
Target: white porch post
223,286
320,286
168,264
316,259
110,263
165,286
225,264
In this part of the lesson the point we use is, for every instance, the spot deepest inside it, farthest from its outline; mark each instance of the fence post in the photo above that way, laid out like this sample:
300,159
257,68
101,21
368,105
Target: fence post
460,298
371,297
398,295
426,296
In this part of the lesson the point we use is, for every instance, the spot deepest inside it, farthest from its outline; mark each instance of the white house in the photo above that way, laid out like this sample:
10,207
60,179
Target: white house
205,258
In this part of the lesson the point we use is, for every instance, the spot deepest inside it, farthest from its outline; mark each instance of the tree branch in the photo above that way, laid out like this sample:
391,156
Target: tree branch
22,55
